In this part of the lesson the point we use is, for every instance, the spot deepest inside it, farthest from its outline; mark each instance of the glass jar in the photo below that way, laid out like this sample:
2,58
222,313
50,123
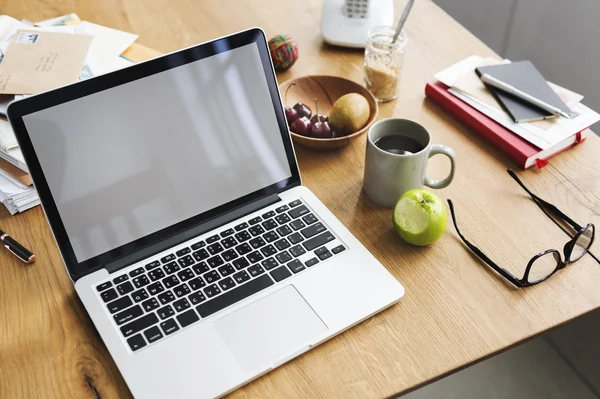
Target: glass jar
383,62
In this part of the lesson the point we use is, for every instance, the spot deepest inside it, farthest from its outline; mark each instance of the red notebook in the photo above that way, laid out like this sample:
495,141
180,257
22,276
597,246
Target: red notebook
519,150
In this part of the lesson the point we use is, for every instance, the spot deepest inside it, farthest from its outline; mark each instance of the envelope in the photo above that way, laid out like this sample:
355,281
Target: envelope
37,61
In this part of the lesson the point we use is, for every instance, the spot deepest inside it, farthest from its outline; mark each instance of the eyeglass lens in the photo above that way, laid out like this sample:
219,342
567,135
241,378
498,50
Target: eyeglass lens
543,266
582,244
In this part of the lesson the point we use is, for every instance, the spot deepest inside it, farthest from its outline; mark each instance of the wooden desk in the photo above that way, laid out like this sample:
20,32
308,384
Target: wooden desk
455,311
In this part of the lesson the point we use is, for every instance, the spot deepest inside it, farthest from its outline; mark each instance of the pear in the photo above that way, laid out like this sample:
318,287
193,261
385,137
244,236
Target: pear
349,114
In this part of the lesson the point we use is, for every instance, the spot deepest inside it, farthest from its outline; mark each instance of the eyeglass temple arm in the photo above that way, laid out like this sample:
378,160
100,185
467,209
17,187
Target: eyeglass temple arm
505,273
551,207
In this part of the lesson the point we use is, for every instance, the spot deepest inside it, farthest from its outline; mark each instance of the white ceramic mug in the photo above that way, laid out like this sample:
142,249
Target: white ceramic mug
388,175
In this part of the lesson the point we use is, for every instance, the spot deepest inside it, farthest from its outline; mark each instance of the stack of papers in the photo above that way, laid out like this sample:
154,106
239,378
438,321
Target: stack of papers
67,49
466,85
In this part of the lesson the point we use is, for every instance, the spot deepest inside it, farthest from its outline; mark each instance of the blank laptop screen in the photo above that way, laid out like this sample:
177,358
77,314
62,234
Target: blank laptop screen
131,160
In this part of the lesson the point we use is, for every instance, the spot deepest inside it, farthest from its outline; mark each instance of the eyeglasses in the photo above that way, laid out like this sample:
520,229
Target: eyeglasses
543,265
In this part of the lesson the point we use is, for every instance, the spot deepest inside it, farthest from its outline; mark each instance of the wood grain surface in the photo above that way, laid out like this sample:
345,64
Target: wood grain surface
455,311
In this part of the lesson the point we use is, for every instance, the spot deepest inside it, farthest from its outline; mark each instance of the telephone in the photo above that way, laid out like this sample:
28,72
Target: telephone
346,22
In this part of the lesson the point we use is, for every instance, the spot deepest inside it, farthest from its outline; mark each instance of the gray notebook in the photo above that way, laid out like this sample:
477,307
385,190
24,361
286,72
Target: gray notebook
524,76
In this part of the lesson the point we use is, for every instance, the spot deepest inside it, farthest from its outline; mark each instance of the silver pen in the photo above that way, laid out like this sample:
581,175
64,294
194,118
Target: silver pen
492,81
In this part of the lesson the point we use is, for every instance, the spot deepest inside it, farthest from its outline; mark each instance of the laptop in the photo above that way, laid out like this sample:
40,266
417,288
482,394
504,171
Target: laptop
174,195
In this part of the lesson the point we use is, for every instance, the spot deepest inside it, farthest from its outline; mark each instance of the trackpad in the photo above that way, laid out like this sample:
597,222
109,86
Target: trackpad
263,332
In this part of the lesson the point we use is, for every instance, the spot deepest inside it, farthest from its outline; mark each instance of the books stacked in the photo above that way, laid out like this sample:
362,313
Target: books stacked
460,91
98,51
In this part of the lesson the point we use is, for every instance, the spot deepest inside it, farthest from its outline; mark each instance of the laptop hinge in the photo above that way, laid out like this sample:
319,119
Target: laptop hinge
190,233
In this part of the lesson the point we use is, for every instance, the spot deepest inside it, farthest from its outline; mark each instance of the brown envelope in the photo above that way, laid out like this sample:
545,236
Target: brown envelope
15,172
38,61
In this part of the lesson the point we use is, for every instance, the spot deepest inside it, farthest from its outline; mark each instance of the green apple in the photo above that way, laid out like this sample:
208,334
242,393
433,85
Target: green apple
420,217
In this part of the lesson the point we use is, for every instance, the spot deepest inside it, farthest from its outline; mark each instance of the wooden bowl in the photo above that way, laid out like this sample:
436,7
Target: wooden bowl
326,89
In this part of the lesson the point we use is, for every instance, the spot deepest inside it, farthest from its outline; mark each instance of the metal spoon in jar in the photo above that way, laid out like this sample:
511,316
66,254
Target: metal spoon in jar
403,19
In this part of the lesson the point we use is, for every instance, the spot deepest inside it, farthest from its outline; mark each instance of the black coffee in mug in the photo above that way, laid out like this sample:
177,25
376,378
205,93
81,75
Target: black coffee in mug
401,145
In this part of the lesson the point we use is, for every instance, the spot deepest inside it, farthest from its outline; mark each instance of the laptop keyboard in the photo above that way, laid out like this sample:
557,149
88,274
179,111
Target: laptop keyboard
180,288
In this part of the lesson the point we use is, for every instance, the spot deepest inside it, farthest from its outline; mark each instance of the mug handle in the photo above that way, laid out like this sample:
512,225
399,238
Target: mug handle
449,152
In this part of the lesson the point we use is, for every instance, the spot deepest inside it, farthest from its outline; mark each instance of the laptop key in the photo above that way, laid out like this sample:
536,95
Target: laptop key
170,281
211,291
136,342
139,324
166,297
283,257
243,236
299,211
255,270
311,262
282,244
156,274
198,245
313,230
215,261
212,276
297,250
226,233
257,242
171,268
150,304
200,268
141,281
282,219
280,273
196,283
186,261
187,318
317,241
200,255
183,251
295,238
243,249
282,208
181,305
125,288
226,270
155,288
185,274
139,295
181,290
229,242
197,297
284,230
269,263
165,312
297,224
296,266
121,278
310,218
104,286
229,255
241,226
269,214
268,250
270,236
129,314
256,230
338,249
167,259
152,265
120,304
294,203
169,326
325,255
241,277
153,334
226,284
234,295
254,221
215,248
269,224
241,263
320,251
212,239
254,257
136,272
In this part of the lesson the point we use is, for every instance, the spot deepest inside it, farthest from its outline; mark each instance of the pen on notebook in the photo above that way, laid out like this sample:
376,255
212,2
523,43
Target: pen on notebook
492,81
16,249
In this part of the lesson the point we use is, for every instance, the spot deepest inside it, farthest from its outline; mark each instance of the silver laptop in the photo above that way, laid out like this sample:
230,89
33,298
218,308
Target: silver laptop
174,195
